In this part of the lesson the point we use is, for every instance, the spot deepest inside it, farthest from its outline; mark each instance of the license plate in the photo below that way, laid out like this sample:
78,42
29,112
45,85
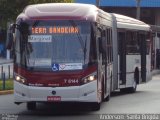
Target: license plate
54,98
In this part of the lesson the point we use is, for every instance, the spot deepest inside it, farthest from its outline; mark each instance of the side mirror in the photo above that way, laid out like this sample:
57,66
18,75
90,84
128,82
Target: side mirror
10,37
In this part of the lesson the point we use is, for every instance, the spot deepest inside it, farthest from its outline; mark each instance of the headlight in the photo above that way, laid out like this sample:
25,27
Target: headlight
19,78
89,78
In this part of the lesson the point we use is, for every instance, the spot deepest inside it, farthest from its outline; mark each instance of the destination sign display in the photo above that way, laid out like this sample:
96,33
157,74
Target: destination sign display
56,30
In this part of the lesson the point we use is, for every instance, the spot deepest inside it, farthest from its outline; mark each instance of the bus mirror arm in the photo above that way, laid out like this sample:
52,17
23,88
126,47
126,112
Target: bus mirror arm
10,36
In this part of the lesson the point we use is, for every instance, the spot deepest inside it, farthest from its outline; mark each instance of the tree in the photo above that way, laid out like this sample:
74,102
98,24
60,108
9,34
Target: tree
9,9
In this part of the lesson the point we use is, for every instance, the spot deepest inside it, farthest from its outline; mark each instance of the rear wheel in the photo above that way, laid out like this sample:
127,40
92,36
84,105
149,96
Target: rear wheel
134,87
130,89
31,105
124,90
108,97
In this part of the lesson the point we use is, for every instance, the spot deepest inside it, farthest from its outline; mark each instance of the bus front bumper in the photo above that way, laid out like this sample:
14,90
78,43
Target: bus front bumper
84,93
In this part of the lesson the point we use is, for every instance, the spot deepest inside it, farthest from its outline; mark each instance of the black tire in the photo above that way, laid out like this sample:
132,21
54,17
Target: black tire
31,105
124,90
130,89
134,87
95,106
107,98
102,93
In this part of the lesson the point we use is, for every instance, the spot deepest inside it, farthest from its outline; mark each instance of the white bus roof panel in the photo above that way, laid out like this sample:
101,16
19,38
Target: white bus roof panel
130,23
86,11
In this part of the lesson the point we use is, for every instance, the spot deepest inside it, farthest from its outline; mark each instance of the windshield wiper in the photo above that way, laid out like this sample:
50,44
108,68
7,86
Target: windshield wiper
83,45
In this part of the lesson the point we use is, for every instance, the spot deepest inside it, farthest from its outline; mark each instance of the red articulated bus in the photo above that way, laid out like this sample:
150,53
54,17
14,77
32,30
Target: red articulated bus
64,53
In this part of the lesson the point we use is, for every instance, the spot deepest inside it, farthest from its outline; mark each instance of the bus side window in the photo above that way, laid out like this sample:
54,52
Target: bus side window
104,44
109,45
104,41
149,44
121,42
142,39
133,43
93,47
101,40
107,58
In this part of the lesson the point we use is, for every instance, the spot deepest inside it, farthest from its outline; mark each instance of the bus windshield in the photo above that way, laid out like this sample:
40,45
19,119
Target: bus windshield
55,44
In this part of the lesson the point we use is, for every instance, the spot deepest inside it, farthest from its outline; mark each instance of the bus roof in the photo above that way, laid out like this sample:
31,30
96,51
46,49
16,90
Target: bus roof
78,11
130,23
61,11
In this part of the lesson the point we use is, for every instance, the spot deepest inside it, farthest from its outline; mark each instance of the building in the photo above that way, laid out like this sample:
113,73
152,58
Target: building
149,13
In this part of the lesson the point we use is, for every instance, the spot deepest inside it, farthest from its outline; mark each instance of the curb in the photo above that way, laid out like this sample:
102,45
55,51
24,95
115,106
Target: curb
155,72
5,92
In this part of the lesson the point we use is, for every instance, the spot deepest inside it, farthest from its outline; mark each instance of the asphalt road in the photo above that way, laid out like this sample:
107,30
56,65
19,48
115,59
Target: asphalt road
145,101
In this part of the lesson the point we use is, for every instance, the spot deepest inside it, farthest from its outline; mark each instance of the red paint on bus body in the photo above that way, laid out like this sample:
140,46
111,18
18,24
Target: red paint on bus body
54,79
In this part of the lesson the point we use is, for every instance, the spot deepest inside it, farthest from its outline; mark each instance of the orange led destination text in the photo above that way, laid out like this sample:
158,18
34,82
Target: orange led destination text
65,30
39,30
54,30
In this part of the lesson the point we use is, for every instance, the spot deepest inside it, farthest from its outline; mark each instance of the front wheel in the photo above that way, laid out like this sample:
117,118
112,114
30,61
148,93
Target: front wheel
31,105
95,106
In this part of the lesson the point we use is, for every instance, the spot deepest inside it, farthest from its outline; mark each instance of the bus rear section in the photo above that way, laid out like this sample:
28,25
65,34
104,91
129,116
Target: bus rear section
134,52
